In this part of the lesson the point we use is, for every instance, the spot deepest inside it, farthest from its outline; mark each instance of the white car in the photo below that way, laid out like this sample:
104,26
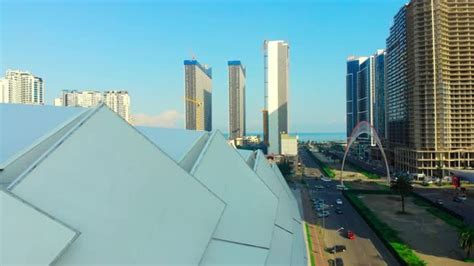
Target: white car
341,187
339,201
323,214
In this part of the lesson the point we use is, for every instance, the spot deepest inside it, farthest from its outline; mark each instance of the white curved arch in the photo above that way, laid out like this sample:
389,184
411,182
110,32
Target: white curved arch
364,127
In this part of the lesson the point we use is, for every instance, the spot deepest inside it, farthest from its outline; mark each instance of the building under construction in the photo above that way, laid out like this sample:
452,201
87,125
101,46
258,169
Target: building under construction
440,87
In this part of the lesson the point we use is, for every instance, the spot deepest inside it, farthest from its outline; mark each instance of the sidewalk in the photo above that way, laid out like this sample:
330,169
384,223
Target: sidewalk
310,218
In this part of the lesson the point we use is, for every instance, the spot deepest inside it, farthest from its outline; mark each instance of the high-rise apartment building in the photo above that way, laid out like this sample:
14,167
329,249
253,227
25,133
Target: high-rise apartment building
365,94
440,77
276,57
118,101
21,87
198,95
236,99
379,91
366,97
81,98
396,91
352,67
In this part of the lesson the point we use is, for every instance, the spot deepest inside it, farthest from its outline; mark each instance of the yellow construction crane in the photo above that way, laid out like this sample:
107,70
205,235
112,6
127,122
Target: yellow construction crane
199,117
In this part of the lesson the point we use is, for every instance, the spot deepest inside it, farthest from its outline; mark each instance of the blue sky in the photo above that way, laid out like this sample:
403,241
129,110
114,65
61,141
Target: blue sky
140,46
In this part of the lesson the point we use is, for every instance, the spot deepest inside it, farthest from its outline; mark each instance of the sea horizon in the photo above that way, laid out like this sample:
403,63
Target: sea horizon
308,136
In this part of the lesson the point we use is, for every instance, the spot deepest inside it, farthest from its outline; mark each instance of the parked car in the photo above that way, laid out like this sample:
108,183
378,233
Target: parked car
350,235
457,199
338,211
337,249
339,201
323,214
341,187
439,202
339,262
462,197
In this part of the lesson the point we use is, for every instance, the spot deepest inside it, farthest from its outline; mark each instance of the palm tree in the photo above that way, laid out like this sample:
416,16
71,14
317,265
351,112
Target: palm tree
466,240
402,186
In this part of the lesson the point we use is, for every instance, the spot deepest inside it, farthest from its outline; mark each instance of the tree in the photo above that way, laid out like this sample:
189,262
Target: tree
285,168
466,240
402,186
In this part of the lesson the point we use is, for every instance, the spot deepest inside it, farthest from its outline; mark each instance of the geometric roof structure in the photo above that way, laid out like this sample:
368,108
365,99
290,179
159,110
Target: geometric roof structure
109,193
29,236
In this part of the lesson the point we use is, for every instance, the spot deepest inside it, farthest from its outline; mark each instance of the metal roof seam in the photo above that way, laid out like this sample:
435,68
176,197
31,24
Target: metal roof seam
53,147
240,243
192,146
20,153
204,150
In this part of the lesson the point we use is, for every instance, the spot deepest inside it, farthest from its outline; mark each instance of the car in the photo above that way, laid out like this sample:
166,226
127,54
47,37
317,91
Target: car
339,262
323,214
462,197
325,179
341,187
457,199
339,201
439,202
337,249
338,211
350,235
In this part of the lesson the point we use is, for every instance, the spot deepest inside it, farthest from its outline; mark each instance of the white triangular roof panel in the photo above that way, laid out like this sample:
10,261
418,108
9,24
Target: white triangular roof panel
251,206
21,126
131,202
228,253
28,236
175,142
280,251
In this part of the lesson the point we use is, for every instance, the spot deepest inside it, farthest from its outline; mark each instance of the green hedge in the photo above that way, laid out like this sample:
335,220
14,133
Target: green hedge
310,244
328,171
388,235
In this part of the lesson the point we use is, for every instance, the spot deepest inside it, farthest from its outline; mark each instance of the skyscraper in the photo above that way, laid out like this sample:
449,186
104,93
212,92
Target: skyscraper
379,90
236,99
353,64
21,87
365,94
198,95
396,91
276,57
440,87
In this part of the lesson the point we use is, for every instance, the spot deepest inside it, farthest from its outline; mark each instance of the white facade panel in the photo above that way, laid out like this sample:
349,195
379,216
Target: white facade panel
27,236
23,125
227,253
251,206
131,203
165,139
281,249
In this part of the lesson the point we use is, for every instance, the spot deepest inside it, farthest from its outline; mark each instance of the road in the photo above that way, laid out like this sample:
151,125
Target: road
465,208
366,249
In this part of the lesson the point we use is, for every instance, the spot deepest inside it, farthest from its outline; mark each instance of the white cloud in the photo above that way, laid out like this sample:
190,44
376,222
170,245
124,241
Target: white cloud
168,118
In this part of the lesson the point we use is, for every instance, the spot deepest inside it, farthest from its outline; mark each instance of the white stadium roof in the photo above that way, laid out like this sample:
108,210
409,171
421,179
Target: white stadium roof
82,186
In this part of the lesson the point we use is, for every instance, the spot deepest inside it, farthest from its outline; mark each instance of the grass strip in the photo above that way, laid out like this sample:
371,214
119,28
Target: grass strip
437,212
310,244
384,231
328,171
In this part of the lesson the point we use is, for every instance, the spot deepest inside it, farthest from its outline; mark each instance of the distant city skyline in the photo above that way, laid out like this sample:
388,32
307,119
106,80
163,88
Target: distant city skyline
140,47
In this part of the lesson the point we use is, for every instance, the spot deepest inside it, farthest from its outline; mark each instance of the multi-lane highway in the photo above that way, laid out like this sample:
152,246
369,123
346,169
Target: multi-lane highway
366,248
